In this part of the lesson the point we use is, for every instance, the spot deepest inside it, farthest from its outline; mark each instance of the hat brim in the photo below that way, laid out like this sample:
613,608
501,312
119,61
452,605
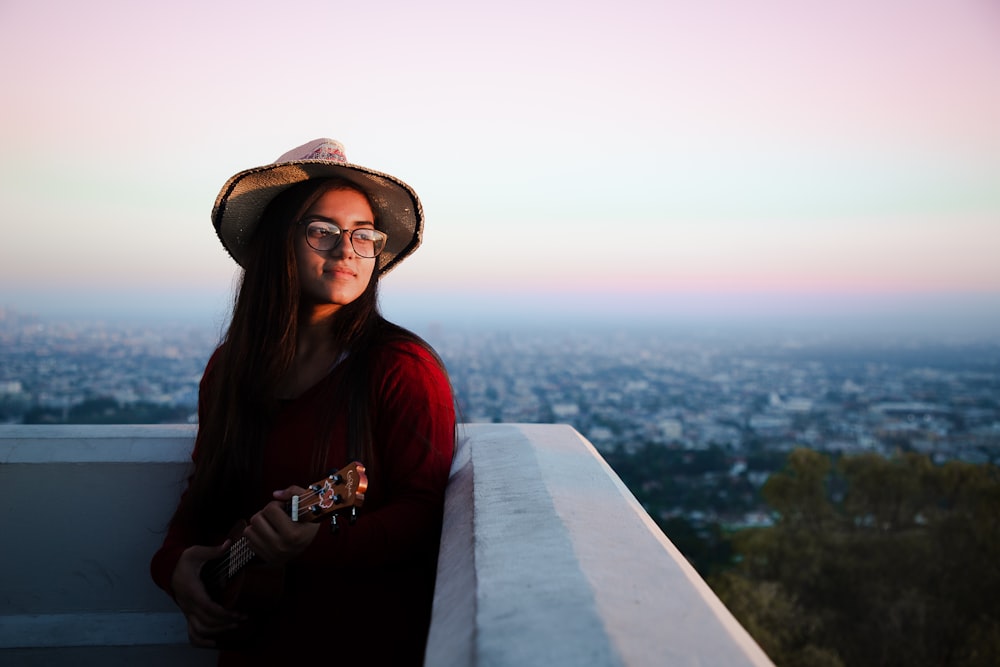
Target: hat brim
242,200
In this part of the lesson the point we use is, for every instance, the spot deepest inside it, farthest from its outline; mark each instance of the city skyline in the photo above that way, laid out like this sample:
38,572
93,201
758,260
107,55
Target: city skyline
640,160
624,390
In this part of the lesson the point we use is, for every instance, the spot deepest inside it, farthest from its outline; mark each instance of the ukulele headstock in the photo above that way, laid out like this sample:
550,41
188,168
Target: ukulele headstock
343,488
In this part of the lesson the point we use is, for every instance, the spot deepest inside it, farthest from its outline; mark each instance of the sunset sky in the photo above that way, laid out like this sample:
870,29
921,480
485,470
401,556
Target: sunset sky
698,157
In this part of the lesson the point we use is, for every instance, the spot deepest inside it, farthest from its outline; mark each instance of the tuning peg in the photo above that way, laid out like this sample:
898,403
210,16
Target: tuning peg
334,524
354,514
335,477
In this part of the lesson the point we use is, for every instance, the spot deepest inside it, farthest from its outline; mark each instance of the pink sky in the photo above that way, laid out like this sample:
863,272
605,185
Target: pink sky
776,146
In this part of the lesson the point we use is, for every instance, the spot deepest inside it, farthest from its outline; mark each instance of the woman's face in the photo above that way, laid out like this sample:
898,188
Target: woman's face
333,278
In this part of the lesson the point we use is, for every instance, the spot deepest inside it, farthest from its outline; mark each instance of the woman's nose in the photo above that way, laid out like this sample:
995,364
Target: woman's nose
343,247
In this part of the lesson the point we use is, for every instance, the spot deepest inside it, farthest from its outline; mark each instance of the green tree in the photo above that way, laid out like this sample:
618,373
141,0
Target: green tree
873,561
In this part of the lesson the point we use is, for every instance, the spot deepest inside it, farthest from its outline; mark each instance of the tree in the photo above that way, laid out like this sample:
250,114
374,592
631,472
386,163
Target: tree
873,561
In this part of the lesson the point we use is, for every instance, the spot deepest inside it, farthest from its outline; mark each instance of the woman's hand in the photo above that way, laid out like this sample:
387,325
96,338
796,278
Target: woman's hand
272,533
205,617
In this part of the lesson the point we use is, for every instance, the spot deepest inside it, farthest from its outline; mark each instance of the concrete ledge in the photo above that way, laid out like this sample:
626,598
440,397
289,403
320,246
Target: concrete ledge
155,443
84,629
546,558
82,509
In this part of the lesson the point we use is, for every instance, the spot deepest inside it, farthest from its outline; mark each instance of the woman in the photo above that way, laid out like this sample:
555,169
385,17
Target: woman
308,378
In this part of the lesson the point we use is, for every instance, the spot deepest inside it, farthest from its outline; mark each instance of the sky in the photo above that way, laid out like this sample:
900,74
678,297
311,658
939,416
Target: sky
591,160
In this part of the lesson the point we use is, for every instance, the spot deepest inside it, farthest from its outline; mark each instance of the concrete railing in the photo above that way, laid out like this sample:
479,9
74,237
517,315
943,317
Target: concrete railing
546,558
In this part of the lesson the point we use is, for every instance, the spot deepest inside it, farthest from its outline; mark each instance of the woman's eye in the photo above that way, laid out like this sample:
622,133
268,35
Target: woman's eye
319,232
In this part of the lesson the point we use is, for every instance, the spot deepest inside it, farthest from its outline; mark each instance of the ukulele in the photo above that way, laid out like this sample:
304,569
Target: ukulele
239,580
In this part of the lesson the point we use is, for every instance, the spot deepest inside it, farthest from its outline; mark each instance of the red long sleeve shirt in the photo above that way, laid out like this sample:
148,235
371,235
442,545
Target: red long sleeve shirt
361,594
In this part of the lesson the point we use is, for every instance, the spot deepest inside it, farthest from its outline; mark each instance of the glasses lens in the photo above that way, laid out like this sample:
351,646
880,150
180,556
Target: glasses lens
368,242
322,236
325,236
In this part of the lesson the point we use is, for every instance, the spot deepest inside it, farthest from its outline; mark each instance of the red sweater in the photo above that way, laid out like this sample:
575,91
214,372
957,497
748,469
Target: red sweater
361,595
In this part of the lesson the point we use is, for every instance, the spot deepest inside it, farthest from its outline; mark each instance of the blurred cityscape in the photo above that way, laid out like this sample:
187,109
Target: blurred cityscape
722,411
97,372
629,389
620,390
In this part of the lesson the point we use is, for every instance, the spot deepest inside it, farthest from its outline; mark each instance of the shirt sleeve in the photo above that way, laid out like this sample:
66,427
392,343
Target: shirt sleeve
414,432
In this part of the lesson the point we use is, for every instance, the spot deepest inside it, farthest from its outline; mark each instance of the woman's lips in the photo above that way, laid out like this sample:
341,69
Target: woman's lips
340,271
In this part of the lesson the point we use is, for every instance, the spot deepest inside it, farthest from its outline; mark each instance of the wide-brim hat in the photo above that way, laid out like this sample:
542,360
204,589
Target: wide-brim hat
242,200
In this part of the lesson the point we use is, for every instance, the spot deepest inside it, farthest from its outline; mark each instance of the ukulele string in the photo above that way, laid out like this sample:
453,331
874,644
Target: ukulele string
240,552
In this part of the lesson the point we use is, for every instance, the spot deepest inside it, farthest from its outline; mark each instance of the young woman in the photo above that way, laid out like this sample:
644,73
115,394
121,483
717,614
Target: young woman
309,378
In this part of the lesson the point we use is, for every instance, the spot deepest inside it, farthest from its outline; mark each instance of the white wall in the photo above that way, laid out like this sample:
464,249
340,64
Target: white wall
546,557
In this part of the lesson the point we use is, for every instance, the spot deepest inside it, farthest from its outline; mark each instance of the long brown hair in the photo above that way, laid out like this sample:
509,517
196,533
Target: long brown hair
256,352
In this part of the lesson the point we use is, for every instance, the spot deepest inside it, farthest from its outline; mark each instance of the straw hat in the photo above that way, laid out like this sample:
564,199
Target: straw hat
243,198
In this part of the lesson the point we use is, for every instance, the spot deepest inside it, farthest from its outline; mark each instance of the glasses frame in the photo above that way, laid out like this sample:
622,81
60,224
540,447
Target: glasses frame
305,222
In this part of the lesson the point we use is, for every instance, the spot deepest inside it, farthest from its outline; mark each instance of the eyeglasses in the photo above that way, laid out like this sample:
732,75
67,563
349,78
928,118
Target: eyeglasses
323,236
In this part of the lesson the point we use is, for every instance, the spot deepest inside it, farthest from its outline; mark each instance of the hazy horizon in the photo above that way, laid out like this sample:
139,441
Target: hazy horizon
945,316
